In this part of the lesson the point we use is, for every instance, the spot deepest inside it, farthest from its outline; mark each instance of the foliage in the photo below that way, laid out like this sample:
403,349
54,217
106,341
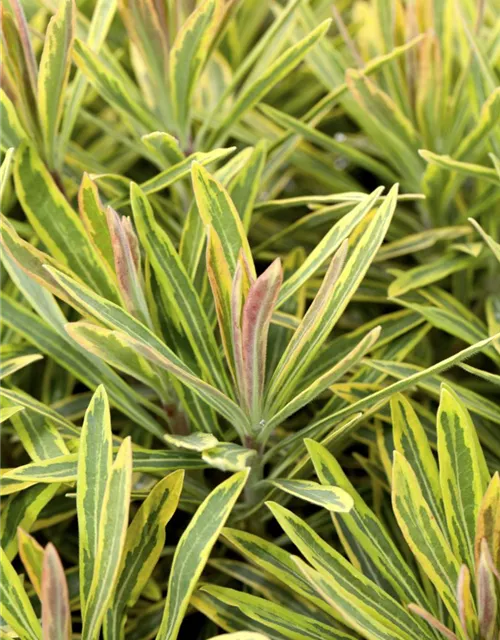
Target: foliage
239,275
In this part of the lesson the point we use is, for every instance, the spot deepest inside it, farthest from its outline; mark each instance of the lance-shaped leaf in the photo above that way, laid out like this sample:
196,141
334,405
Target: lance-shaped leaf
55,64
328,245
114,88
56,615
31,554
353,591
148,30
112,528
127,259
193,442
193,550
176,284
313,321
15,606
95,458
228,456
463,474
245,186
336,291
422,533
106,344
187,57
5,171
278,70
7,412
274,560
366,540
323,382
465,602
217,209
55,222
488,522
138,337
64,468
410,378
487,601
94,219
11,365
143,545
410,440
287,623
22,510
328,497
219,276
241,635
433,622
466,168
494,246
256,318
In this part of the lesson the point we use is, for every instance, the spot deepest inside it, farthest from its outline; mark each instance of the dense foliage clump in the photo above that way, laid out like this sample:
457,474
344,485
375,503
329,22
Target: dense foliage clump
250,308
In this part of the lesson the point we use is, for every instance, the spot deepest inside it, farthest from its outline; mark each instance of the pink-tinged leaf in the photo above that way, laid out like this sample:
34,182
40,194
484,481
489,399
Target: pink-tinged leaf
219,277
127,264
434,622
466,609
487,602
94,220
257,313
56,616
311,331
24,36
236,305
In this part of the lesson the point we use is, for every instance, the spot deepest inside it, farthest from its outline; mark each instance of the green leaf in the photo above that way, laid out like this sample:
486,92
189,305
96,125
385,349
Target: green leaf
11,365
288,624
55,65
494,246
12,129
22,510
278,70
5,171
217,209
245,186
141,339
365,605
227,456
463,474
56,615
240,635
112,528
334,295
113,88
428,273
143,545
328,497
193,549
467,168
56,224
193,442
106,344
411,442
323,381
187,57
422,533
15,606
176,284
94,466
32,556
